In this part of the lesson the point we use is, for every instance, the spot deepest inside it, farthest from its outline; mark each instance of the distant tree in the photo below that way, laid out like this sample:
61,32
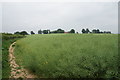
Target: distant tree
23,33
83,31
77,32
94,31
40,31
32,32
53,31
17,32
97,31
104,32
72,31
60,31
101,32
87,30
45,31
109,32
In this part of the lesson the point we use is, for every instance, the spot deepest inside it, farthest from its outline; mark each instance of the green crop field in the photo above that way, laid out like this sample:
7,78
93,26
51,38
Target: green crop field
69,55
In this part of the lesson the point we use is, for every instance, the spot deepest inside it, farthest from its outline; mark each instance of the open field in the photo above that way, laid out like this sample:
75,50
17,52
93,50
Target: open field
69,55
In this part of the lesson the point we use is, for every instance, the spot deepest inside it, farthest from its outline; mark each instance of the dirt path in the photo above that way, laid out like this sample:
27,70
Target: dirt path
17,71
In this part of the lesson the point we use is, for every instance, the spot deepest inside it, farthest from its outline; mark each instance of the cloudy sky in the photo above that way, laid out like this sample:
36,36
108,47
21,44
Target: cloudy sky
53,15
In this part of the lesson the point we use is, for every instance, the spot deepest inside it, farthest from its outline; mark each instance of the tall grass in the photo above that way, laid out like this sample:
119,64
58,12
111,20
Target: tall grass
69,55
5,41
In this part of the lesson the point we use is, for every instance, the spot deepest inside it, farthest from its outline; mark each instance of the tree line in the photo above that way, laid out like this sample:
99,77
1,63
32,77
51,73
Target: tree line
62,31
8,36
45,31
95,31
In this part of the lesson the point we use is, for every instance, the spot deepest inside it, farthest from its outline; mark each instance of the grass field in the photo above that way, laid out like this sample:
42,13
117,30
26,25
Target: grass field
69,55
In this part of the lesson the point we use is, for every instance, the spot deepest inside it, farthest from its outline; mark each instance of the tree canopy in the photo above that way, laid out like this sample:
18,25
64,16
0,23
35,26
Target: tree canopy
21,33
72,31
32,32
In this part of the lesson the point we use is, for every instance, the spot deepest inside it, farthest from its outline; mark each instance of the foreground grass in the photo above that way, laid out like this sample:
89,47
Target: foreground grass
70,55
6,41
0,56
5,59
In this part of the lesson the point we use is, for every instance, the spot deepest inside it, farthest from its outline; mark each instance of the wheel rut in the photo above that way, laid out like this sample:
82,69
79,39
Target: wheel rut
17,71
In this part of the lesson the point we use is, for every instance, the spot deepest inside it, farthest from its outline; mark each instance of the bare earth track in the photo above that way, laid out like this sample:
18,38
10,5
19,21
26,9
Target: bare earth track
17,71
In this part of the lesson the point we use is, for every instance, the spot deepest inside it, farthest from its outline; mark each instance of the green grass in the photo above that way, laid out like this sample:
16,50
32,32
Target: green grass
5,63
0,56
69,55
6,41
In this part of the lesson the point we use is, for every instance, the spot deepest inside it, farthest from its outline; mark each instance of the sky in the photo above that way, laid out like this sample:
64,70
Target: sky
59,0
32,16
